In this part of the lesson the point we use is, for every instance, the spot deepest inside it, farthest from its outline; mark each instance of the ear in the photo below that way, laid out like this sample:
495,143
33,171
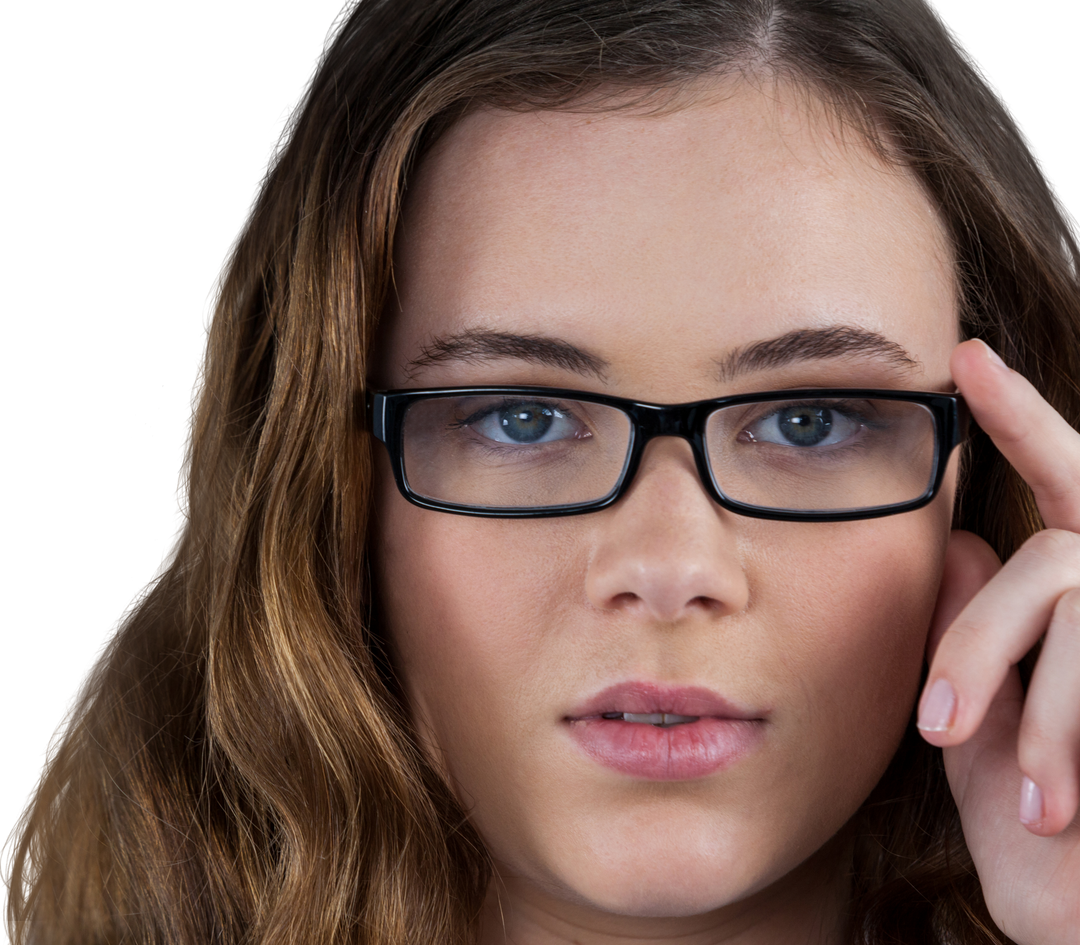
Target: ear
969,564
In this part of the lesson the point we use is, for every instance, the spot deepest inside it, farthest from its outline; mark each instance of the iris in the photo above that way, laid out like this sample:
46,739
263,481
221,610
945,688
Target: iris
526,423
805,426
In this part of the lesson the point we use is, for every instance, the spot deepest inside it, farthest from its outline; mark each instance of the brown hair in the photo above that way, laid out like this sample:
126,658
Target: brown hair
239,767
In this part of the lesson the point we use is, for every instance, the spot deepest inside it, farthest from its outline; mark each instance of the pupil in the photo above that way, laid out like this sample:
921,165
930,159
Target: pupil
526,424
805,426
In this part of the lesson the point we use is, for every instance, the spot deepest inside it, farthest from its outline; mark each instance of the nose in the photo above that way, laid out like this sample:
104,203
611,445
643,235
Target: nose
666,549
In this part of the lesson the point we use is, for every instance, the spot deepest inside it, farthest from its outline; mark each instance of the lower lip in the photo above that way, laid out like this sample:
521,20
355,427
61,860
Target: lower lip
677,753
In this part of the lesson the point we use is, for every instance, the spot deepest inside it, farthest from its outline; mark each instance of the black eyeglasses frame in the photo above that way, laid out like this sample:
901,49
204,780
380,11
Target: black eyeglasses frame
386,414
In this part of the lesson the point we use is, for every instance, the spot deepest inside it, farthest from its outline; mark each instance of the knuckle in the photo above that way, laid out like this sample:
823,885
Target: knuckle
1056,546
1038,741
1067,609
969,654
964,633
1047,750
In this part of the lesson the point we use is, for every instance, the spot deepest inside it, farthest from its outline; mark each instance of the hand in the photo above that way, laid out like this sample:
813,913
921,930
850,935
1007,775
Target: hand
1013,763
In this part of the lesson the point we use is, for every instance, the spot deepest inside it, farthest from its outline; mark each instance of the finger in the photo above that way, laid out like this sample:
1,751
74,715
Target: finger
1049,745
993,632
969,564
1016,868
1031,435
983,771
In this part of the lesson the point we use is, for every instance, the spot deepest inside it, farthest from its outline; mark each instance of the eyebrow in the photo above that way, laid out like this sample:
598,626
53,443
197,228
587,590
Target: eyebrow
813,344
482,345
805,344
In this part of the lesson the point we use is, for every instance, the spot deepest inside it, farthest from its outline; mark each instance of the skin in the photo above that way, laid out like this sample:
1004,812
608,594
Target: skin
662,244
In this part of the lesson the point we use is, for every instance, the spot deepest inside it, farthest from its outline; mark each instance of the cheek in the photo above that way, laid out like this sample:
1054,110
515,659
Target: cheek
469,604
851,603
851,607
854,601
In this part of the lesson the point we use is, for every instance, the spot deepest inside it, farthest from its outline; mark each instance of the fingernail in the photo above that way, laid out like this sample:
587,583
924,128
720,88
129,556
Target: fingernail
1031,802
993,357
936,714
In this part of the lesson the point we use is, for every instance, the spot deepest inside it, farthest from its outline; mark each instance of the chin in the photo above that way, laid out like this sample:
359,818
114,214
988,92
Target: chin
662,897
665,867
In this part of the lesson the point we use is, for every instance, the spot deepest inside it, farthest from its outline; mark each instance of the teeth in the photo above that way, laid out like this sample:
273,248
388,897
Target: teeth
661,719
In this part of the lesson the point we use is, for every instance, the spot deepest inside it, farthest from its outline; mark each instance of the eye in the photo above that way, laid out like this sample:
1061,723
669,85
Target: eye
805,425
526,422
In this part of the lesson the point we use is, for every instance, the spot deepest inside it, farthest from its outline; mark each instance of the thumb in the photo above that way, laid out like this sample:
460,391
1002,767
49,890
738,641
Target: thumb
969,564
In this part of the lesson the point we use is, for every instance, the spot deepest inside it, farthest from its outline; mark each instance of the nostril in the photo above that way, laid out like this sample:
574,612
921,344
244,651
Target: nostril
627,599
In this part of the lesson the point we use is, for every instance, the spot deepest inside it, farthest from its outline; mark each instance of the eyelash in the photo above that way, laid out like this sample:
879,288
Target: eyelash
520,449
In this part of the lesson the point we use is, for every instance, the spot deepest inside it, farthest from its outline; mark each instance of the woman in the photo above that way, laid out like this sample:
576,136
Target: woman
662,685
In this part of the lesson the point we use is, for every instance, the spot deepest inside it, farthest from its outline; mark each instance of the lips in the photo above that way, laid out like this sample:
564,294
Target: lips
643,698
664,733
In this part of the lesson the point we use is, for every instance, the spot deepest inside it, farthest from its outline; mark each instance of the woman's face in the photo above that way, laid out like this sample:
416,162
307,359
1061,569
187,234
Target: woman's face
661,247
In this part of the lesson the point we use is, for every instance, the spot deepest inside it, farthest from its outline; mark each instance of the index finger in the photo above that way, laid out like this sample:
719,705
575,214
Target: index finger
1031,434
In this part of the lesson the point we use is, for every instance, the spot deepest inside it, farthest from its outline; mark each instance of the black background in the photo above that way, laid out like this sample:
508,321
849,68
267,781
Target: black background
137,142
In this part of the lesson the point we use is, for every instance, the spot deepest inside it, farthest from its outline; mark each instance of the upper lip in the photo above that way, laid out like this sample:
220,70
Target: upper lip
642,698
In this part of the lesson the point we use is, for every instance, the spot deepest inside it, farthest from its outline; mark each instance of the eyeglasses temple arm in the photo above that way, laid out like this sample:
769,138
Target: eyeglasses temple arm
376,405
965,423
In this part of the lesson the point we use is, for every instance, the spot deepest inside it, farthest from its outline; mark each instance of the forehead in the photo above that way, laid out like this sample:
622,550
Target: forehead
745,212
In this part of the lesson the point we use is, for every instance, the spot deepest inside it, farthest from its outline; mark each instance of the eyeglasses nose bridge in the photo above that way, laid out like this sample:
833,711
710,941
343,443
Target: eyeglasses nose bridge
681,421
670,420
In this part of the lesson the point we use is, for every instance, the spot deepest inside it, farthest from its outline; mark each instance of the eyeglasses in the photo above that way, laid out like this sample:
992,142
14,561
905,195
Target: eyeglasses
822,454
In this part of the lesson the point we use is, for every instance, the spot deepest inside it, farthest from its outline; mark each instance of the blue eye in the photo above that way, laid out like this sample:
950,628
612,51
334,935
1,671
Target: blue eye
524,422
804,425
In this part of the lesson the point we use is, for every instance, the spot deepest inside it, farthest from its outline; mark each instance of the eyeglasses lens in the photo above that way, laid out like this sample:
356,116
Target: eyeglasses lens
822,455
513,452
499,451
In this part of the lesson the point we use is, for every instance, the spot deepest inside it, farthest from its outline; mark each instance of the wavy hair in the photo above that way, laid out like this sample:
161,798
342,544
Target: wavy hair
239,767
